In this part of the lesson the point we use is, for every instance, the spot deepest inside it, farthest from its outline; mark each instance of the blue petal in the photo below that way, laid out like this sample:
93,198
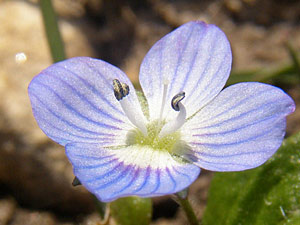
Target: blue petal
241,128
73,100
140,171
195,58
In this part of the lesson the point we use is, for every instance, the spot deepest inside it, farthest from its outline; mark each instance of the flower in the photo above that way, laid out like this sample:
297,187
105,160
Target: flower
121,144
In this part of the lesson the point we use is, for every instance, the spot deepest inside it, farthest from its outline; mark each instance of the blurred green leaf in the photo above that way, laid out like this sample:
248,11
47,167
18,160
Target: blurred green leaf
281,74
267,195
294,56
132,211
52,31
287,74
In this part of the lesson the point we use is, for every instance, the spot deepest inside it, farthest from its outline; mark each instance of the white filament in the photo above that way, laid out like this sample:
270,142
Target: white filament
174,125
135,118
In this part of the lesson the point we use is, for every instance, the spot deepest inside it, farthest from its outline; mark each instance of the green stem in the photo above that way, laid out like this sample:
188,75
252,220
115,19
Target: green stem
52,31
187,208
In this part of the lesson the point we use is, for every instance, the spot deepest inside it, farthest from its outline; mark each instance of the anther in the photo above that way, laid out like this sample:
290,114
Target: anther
120,89
176,99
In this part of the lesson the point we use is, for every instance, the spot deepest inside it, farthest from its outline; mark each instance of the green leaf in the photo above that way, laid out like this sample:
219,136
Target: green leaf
282,74
267,195
52,31
294,56
132,211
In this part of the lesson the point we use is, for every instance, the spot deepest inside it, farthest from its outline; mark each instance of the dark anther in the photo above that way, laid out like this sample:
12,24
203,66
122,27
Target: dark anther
76,182
120,89
176,99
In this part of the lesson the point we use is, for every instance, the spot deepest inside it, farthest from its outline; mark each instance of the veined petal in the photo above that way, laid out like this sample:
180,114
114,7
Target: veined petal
240,129
133,170
195,58
73,101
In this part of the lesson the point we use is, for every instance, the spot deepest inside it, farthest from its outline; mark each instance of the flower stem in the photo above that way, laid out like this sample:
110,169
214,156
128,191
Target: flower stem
187,208
52,31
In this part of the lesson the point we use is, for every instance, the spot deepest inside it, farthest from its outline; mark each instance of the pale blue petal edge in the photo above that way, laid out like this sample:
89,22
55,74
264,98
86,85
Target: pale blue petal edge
240,129
107,176
73,101
195,58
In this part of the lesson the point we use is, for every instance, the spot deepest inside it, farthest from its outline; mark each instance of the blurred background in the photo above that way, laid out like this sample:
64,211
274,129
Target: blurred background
35,175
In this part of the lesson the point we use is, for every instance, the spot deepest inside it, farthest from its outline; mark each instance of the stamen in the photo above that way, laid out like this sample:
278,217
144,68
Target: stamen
121,90
174,125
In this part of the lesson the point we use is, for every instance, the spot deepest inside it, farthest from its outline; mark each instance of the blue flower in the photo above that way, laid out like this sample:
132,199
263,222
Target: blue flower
122,144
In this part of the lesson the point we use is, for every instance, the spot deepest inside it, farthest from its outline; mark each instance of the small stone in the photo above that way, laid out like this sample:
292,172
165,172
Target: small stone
26,217
7,209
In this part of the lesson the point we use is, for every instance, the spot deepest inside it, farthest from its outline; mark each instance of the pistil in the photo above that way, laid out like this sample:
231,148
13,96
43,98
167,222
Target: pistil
166,84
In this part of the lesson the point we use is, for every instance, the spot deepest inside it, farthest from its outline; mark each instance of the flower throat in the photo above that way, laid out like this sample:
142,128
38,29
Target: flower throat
157,134
153,140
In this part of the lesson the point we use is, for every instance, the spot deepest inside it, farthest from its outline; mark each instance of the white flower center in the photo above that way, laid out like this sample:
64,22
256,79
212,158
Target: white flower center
159,135
121,90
